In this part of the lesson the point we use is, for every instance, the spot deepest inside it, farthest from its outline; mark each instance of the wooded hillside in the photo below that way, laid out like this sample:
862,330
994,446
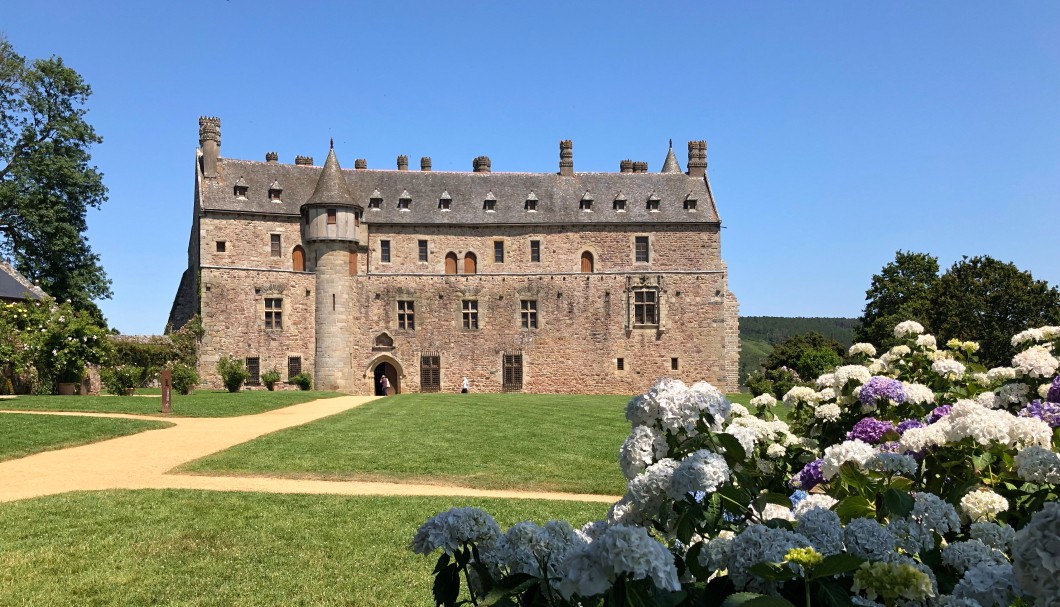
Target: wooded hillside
758,335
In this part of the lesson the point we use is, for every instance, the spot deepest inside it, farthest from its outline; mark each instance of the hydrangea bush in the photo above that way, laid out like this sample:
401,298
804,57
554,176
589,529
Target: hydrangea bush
912,478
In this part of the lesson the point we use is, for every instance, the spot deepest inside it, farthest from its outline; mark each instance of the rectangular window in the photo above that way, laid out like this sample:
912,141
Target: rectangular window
221,245
535,250
645,307
406,315
470,313
673,364
253,371
274,241
512,380
620,364
641,249
294,366
332,216
384,251
423,250
430,373
273,313
529,314
498,251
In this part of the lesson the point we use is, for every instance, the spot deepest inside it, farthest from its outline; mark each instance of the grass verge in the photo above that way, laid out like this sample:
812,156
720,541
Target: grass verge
188,548
22,434
491,441
196,404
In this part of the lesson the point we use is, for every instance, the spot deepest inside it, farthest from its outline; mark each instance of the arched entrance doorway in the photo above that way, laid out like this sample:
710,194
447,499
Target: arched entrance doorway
388,367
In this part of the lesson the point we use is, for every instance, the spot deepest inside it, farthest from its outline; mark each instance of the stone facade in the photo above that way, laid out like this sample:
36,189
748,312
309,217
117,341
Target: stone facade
548,283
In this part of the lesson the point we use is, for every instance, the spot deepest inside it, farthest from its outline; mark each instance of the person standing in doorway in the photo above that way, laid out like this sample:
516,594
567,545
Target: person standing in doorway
465,387
384,385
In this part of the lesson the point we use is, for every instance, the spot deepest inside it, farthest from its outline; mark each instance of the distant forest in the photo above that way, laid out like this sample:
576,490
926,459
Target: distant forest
758,335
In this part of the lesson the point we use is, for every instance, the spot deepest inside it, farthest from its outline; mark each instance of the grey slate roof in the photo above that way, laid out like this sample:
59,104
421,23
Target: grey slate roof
331,187
558,197
14,285
670,165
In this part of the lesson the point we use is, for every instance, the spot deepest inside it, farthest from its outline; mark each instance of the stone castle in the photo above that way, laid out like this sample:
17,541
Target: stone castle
537,282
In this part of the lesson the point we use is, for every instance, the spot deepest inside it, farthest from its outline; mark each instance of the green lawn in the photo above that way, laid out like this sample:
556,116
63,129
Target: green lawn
22,435
187,548
196,404
524,441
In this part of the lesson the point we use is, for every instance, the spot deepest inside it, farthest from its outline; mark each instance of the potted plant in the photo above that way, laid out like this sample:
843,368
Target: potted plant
270,378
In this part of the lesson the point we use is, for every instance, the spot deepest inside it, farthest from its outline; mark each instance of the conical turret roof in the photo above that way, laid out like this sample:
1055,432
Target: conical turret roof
670,165
331,186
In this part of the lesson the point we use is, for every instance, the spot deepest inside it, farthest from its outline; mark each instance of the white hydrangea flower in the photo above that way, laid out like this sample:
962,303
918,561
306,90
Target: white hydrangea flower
538,551
717,552
644,446
1036,555
451,529
822,527
950,369
918,394
927,342
934,355
985,426
1030,335
866,538
757,544
591,530
814,501
862,348
763,400
772,511
892,463
908,327
912,536
583,575
961,556
848,373
982,505
620,550
988,400
648,490
825,381
1001,374
1043,391
1036,361
988,584
848,451
935,513
702,470
1035,464
669,405
826,394
800,394
993,535
981,379
828,412
776,450
738,410
877,367
1013,394
898,352
1050,333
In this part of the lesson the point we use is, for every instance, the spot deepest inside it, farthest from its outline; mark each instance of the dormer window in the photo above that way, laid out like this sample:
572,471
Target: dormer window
404,201
489,203
586,203
274,192
375,202
620,203
531,203
690,203
653,203
445,201
239,190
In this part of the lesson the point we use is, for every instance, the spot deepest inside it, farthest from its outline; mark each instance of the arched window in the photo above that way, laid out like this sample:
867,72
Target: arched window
298,259
450,263
587,262
470,263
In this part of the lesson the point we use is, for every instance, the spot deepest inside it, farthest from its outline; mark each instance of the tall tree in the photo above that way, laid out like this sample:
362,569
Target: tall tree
901,291
988,301
46,181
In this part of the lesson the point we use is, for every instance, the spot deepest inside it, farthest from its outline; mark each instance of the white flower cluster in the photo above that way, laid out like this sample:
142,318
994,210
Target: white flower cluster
848,373
962,556
892,463
752,431
764,400
620,550
1038,465
985,426
848,451
538,551
982,505
645,494
674,408
908,327
1001,374
1036,335
829,412
644,446
451,529
717,551
988,583
927,342
1036,556
918,394
702,470
862,348
814,501
1036,361
950,369
800,394
756,544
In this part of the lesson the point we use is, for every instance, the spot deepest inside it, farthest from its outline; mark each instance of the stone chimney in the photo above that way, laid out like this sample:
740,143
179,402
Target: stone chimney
566,158
303,160
403,162
626,166
697,158
210,142
640,167
360,164
272,157
481,164
425,163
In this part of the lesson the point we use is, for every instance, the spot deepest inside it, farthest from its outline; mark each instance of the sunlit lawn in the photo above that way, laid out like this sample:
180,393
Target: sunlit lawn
187,548
196,404
24,434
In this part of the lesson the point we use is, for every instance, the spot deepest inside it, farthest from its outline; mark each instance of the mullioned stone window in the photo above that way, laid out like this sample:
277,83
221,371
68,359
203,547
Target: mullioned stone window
640,249
274,313
528,313
406,315
645,307
469,313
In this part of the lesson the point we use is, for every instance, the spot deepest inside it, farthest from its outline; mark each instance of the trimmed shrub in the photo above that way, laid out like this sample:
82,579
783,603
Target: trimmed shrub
233,373
184,378
122,379
270,378
304,381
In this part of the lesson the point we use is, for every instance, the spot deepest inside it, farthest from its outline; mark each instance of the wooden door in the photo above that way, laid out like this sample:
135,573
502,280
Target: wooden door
450,263
298,259
470,264
587,262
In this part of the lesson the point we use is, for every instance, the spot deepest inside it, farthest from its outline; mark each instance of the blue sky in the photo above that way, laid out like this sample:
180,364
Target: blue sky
838,132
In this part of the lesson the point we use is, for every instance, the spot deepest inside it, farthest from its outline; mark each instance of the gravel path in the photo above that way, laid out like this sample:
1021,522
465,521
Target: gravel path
144,460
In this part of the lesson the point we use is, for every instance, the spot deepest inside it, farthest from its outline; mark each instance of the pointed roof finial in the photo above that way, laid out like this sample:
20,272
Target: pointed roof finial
671,143
333,143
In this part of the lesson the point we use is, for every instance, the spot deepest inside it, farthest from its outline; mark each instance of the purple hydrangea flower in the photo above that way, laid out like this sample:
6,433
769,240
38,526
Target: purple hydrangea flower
809,477
907,424
891,446
870,430
1054,391
878,388
938,413
1046,411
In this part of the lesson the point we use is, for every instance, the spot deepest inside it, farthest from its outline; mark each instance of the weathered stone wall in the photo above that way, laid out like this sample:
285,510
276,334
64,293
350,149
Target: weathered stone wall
233,311
247,240
336,314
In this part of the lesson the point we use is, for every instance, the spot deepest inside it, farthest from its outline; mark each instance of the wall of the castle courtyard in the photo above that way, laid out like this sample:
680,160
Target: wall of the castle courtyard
248,240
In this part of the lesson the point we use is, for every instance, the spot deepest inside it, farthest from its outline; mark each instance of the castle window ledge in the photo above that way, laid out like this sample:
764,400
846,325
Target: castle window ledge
381,348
